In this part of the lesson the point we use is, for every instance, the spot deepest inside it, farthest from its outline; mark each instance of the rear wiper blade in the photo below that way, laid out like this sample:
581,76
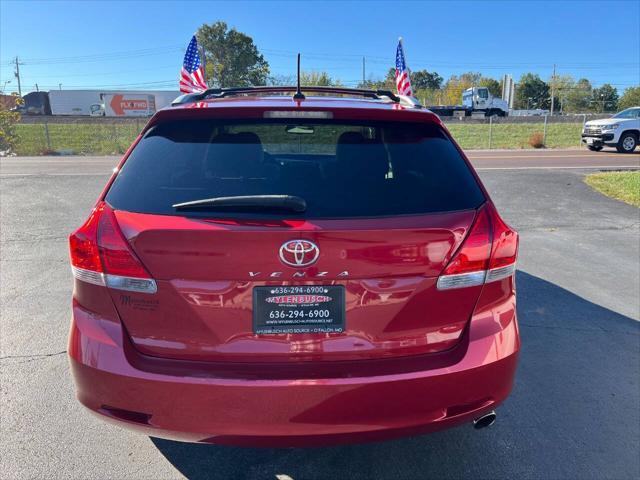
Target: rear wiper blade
288,203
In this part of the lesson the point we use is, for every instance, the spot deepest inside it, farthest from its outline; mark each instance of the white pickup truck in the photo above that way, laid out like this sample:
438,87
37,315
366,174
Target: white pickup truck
621,131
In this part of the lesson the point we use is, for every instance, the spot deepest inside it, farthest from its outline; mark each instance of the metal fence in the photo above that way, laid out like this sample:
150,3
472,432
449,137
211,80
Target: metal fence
558,131
108,136
76,135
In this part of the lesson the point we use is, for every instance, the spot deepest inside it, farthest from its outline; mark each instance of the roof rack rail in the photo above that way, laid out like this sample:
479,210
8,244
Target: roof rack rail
229,92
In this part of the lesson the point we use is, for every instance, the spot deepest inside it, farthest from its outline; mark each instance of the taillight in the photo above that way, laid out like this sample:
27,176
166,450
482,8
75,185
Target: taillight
101,255
504,252
488,253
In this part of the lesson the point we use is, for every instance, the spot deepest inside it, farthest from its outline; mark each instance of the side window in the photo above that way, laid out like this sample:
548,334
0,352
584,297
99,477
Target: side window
483,93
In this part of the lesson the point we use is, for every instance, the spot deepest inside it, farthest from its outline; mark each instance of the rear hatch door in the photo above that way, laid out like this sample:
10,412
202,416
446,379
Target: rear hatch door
387,207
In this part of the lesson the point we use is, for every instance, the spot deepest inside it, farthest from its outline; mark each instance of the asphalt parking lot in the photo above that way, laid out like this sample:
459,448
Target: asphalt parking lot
574,412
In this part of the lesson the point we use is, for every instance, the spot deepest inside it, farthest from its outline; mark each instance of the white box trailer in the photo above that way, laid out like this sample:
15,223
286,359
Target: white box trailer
90,102
73,102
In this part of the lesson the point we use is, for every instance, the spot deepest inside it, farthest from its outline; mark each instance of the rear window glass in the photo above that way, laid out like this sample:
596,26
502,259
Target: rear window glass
340,170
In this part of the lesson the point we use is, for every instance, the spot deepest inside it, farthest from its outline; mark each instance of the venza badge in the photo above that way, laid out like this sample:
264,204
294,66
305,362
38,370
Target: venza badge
299,253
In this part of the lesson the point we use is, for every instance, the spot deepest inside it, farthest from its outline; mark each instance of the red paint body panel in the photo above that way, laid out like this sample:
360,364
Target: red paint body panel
243,405
206,272
183,363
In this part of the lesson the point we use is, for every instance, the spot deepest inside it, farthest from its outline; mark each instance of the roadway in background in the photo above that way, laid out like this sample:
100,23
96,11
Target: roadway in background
481,159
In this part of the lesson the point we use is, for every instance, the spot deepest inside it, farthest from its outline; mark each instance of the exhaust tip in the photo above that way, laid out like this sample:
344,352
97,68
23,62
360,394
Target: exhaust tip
485,420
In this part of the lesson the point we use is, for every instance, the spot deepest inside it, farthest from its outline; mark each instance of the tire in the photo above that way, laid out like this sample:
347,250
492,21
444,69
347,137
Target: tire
627,143
594,148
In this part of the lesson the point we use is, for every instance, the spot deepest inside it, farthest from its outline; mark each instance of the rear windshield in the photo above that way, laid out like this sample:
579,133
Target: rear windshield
340,170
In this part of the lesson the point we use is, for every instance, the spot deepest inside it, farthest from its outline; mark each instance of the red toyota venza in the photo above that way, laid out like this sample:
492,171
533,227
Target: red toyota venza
277,271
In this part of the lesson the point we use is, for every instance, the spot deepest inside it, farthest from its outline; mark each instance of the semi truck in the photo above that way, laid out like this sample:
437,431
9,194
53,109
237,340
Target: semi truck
114,103
475,101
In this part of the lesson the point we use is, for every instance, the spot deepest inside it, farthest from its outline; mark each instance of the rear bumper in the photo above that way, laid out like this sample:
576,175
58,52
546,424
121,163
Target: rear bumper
290,412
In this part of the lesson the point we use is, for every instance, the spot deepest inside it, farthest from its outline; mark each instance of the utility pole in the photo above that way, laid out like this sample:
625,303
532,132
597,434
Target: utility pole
553,84
17,74
363,72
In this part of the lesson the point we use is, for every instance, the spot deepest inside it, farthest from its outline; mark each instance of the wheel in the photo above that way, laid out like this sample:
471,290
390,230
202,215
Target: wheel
594,148
627,142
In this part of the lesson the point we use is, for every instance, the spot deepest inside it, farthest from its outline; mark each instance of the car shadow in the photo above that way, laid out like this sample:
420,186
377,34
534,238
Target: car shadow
574,413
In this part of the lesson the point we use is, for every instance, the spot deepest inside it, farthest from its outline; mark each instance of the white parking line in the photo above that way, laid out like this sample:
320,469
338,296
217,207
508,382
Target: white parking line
539,157
581,167
54,174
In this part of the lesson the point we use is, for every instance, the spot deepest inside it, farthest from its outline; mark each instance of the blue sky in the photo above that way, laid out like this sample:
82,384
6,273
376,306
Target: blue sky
141,44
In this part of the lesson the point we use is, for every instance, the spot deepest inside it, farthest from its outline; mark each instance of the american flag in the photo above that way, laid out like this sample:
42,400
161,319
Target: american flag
192,73
403,84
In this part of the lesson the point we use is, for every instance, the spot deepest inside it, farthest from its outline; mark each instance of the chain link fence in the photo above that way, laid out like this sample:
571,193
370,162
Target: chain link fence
558,131
76,135
50,135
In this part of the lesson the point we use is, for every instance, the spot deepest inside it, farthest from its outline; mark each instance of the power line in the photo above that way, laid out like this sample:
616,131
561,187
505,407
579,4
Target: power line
346,61
100,74
99,57
340,57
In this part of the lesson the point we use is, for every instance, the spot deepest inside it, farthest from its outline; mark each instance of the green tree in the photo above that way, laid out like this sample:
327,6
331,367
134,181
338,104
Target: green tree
320,79
531,92
390,80
455,85
605,99
281,80
452,90
492,84
471,78
428,96
578,97
8,136
232,59
387,83
561,85
424,80
630,98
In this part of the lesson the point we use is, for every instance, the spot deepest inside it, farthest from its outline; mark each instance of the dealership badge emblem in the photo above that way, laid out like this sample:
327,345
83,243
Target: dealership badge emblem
299,253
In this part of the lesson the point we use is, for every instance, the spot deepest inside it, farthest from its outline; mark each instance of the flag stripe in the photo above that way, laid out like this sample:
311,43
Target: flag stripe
192,73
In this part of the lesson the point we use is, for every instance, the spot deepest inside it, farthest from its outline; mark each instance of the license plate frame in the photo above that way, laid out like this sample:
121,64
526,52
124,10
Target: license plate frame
298,309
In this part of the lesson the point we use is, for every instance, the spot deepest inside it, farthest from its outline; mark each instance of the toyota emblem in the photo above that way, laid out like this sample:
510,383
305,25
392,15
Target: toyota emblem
299,253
